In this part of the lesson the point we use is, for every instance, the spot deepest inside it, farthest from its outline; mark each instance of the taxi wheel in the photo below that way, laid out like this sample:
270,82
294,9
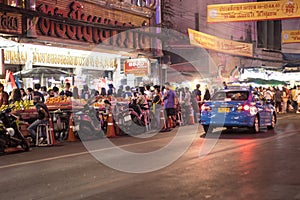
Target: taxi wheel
255,128
273,122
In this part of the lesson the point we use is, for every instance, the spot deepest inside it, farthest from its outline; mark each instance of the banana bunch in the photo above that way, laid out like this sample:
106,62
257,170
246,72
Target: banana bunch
3,107
28,104
22,105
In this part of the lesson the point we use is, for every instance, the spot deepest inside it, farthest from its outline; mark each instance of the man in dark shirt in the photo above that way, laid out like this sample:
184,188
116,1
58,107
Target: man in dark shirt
43,117
197,93
66,91
225,85
196,102
36,92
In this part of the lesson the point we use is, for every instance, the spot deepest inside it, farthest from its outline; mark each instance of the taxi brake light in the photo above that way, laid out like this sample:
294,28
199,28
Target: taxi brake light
244,107
205,107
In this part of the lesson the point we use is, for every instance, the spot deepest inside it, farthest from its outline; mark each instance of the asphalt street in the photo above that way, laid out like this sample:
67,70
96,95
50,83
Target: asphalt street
226,164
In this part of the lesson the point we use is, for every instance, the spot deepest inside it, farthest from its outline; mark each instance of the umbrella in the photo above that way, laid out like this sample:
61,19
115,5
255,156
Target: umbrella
5,43
39,72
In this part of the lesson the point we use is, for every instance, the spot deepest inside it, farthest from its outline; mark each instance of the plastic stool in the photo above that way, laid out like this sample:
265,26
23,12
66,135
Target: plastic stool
43,128
179,119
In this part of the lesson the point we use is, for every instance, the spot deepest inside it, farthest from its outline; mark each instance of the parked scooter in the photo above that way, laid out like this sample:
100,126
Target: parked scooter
11,139
133,119
87,122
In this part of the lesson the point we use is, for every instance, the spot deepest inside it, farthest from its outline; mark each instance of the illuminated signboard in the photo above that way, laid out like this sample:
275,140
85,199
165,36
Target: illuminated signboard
139,67
268,10
290,36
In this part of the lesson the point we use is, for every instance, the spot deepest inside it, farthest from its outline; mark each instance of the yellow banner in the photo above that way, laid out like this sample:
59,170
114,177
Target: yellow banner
226,46
290,36
269,10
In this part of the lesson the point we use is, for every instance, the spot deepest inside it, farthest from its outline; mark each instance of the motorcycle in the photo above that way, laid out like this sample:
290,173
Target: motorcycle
133,119
11,138
87,122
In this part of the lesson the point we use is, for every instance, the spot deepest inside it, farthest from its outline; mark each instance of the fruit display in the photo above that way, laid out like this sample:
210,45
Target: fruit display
58,100
98,104
19,105
3,107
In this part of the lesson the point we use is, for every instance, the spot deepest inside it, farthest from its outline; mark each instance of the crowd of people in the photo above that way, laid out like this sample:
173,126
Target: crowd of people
184,100
284,99
171,100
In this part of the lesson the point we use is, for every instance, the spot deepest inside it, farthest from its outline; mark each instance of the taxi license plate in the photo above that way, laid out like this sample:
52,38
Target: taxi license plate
127,118
223,110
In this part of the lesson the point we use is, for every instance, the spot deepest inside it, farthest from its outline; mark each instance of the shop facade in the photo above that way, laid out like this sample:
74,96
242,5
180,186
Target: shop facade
90,40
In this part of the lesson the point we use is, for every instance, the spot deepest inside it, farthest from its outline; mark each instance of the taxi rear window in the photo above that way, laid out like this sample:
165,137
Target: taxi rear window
232,95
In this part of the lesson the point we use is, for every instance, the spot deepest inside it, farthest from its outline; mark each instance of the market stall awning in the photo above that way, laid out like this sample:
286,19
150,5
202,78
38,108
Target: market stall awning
5,43
292,62
39,72
264,81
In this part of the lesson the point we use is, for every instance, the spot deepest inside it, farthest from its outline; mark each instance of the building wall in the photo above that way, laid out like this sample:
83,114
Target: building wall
291,24
185,18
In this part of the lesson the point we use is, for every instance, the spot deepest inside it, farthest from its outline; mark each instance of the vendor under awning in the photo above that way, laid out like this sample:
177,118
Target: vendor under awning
292,62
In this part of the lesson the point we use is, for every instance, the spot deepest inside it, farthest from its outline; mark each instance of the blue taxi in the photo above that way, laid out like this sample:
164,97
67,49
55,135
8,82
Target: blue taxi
237,107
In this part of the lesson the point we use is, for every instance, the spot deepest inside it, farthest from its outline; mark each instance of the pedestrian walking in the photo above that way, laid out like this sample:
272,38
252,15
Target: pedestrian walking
278,100
206,94
170,105
285,98
156,105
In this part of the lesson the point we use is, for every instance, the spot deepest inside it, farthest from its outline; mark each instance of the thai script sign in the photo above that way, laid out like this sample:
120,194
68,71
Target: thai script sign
88,28
290,36
59,60
222,45
10,23
138,67
15,57
268,10
97,62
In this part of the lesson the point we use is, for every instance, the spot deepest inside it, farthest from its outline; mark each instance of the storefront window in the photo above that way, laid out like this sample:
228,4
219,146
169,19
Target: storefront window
140,3
15,3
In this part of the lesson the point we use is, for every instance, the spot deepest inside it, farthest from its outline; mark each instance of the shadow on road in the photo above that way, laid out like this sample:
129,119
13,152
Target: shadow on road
241,133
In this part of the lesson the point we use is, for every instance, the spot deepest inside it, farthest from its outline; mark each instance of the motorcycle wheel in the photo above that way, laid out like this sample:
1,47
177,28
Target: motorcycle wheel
25,145
86,132
2,148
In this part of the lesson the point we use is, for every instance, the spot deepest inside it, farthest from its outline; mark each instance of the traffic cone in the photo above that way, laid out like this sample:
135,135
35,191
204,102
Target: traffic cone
71,135
110,131
179,119
170,122
164,121
52,140
118,131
